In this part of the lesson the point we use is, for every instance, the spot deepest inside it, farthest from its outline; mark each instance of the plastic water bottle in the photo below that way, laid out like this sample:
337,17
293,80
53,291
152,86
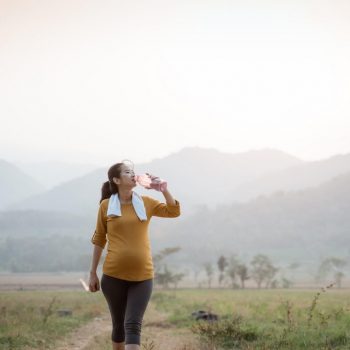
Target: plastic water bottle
154,182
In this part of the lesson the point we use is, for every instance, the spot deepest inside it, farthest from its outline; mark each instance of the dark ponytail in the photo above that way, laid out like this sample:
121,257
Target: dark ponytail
109,187
106,191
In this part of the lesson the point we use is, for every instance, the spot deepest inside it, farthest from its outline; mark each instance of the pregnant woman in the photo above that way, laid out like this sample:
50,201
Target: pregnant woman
127,280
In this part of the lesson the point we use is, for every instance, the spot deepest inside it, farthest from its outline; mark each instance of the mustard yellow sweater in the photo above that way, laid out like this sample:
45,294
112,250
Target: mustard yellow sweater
129,254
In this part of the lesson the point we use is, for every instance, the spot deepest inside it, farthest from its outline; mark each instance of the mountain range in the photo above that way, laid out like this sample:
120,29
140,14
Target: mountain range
53,173
299,225
195,176
15,185
254,202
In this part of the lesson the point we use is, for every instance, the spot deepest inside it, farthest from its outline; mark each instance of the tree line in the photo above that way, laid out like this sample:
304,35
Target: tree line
233,272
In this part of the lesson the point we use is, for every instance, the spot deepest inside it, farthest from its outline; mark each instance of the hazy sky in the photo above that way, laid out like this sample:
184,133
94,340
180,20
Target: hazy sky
98,81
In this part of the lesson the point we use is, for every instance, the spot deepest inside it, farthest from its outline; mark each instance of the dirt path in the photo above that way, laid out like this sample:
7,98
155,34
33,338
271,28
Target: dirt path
157,334
163,335
80,338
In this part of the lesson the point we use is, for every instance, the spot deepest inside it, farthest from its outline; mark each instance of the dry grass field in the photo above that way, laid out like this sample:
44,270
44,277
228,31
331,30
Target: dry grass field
248,319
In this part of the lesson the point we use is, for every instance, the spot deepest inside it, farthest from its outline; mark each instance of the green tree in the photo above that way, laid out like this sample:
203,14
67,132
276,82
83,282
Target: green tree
262,270
167,277
332,265
242,273
286,283
159,257
222,264
232,270
176,278
209,271
162,275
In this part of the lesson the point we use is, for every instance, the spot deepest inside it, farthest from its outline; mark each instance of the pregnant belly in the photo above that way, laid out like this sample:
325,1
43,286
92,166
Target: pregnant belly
129,261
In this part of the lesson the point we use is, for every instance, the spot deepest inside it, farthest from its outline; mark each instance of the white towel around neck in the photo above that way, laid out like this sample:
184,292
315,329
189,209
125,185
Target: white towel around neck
137,202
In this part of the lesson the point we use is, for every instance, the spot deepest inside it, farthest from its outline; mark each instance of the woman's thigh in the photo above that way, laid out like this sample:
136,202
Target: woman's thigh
115,291
139,294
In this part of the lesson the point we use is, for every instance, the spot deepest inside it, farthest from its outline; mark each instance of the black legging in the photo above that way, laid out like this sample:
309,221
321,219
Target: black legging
127,302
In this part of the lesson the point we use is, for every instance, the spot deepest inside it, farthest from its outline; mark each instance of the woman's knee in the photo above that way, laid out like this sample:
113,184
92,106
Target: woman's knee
133,331
118,333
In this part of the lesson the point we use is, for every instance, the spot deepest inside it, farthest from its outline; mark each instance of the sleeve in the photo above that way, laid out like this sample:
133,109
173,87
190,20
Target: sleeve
164,210
99,237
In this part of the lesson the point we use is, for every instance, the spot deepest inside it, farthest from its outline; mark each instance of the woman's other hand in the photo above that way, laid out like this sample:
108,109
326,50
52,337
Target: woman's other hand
94,283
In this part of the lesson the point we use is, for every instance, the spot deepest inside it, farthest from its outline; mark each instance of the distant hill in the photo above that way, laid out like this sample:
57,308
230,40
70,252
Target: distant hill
300,176
79,196
199,175
54,173
195,176
289,226
299,226
15,185
22,223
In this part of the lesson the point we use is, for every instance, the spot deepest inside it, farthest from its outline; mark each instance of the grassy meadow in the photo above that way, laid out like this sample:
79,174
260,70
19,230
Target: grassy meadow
264,319
30,320
248,319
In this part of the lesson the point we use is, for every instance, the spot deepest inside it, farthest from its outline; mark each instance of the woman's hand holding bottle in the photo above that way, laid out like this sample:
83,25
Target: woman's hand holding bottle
151,182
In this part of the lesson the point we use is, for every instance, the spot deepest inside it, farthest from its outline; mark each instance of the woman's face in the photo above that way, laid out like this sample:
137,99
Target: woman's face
127,177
